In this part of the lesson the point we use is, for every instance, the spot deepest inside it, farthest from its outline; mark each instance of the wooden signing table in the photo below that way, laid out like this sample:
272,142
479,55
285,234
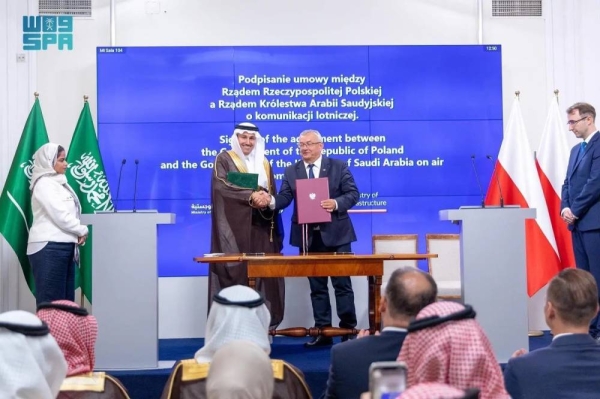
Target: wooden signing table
321,265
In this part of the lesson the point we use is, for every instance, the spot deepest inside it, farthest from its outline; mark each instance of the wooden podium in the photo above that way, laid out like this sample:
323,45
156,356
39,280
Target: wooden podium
321,265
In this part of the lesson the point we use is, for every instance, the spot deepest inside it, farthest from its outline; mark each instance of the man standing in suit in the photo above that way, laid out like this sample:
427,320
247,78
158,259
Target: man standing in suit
570,366
335,236
408,291
581,193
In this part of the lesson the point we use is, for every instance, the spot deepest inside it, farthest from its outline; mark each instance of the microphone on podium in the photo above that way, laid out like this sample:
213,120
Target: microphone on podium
135,183
497,182
478,181
123,162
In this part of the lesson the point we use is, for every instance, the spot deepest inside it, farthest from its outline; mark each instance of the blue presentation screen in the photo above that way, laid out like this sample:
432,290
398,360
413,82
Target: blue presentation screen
407,120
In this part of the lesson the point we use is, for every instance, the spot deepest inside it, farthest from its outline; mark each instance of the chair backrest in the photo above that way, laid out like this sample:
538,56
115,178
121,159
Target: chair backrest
95,385
446,267
188,380
395,244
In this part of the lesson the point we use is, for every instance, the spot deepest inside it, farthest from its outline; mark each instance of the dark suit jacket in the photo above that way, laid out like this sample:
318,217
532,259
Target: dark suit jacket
581,189
342,188
568,368
350,361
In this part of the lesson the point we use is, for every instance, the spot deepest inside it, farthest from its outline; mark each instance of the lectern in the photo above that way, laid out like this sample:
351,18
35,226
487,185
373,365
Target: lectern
125,287
494,272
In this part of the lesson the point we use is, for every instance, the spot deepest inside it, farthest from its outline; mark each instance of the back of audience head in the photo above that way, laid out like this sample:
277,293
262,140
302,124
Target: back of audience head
240,370
407,292
455,352
436,390
74,330
31,363
572,299
433,390
237,313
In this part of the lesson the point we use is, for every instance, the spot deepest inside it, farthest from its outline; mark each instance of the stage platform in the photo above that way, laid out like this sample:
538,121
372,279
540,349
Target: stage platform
314,363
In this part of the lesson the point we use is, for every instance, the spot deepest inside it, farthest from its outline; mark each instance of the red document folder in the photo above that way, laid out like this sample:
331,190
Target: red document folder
309,194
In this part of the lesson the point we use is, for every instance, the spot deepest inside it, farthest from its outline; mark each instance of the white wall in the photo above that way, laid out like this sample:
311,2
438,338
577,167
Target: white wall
182,306
539,55
572,53
17,84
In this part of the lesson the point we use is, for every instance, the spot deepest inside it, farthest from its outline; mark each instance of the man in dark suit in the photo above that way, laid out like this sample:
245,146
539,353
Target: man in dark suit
323,237
406,294
580,206
570,366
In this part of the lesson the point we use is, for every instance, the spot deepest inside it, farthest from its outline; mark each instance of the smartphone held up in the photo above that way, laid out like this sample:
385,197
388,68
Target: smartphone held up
387,380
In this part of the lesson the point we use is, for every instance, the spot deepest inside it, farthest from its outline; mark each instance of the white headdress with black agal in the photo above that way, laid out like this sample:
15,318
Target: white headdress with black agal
237,313
255,160
31,362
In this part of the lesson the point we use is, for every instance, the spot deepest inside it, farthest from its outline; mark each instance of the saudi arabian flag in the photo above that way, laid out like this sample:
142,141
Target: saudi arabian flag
15,200
87,178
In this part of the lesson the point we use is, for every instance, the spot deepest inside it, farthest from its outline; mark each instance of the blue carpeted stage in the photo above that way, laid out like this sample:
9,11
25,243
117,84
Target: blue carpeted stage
148,384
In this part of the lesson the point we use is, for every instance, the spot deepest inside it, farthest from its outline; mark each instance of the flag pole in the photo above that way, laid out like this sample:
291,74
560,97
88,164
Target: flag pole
15,196
84,155
82,296
539,333
531,333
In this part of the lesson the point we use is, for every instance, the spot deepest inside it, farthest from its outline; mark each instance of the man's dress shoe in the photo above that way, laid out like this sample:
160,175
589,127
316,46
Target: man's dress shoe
319,340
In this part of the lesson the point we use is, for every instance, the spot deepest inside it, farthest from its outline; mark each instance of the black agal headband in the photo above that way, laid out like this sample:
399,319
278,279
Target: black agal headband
247,128
31,331
71,309
244,304
432,321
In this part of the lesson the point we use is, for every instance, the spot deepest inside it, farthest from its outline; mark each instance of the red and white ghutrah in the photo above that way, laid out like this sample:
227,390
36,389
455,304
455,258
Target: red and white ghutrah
518,177
552,162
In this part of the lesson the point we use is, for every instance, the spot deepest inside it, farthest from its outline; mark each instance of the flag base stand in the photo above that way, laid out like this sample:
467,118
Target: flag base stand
304,239
535,333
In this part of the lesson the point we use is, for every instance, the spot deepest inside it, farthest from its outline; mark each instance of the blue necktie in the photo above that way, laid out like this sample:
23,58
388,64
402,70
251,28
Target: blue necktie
311,175
582,148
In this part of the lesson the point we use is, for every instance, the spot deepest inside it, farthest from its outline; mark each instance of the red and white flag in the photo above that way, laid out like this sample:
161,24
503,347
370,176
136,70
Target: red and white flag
521,186
552,162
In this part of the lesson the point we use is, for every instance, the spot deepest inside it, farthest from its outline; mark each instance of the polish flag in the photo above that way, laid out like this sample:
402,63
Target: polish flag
552,162
516,171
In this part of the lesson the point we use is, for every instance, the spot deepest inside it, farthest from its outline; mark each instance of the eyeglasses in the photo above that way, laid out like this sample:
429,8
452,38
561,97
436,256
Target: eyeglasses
309,144
573,123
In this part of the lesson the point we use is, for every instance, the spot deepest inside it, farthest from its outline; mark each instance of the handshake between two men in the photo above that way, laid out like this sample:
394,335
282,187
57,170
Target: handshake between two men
262,199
